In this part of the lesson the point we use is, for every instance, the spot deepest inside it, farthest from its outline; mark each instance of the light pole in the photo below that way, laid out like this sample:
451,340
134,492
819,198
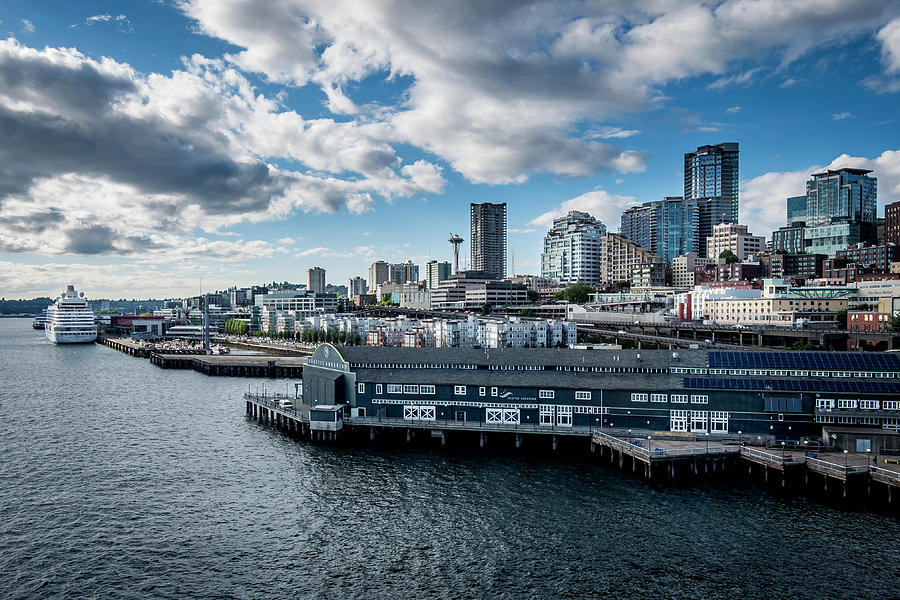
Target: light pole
706,434
740,439
845,459
782,451
868,454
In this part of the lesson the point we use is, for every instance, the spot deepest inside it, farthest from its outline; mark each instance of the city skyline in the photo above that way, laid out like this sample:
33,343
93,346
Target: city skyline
180,145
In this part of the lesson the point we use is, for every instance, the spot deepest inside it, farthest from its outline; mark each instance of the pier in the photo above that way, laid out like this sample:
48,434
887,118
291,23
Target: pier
658,457
234,365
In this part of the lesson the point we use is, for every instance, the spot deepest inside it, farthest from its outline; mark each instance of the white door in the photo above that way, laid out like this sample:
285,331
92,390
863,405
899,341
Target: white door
511,416
678,420
564,416
546,414
493,416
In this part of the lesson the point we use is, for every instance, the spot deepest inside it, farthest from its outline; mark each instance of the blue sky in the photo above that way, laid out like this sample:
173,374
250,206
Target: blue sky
151,148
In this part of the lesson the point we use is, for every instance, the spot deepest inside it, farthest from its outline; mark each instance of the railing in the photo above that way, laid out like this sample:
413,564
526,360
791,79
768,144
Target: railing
469,425
272,402
885,473
836,468
651,453
767,456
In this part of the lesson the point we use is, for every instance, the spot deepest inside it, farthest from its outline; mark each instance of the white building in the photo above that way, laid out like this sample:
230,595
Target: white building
572,249
730,236
356,286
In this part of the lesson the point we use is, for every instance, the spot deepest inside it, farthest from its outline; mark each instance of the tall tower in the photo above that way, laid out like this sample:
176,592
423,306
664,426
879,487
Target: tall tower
315,280
488,241
711,177
456,241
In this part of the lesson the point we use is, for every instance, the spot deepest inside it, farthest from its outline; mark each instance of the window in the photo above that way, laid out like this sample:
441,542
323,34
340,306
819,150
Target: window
679,399
582,395
868,404
459,390
546,394
698,421
546,414
699,399
360,388
891,405
410,389
426,389
846,403
639,397
824,404
678,420
493,391
482,391
377,389
564,416
658,398
718,422
393,388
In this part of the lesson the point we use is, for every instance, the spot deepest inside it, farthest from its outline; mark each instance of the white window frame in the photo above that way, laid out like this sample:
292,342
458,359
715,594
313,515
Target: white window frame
564,416
639,397
482,391
582,395
890,405
868,404
360,388
718,421
700,399
846,403
410,389
494,391
702,417
394,388
426,389
658,398
546,394
678,399
546,415
378,389
678,420
459,390
824,403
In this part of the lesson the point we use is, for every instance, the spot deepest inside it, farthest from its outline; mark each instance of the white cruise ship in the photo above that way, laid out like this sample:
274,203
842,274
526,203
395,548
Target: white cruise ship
70,319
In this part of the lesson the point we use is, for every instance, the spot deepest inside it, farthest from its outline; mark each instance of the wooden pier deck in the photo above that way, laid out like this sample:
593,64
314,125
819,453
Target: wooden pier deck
234,365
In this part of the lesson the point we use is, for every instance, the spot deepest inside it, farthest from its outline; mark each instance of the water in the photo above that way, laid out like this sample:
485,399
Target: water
121,480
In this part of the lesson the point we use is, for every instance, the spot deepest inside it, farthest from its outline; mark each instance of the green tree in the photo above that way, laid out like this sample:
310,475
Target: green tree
841,318
486,308
623,285
533,296
577,293
729,256
526,312
803,345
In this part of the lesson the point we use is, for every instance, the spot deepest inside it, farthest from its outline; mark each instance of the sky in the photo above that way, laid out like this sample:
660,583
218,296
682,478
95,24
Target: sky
154,149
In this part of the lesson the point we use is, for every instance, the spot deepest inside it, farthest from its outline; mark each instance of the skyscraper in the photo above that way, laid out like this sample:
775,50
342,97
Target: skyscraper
840,209
712,178
572,249
315,280
379,272
356,286
488,239
667,227
796,209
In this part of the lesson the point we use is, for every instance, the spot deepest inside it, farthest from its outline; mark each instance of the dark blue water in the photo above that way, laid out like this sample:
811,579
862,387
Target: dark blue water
121,480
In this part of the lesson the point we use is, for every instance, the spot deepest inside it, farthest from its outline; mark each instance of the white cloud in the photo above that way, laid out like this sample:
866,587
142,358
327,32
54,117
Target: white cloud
288,241
615,132
122,22
27,26
842,116
522,231
598,203
733,110
889,36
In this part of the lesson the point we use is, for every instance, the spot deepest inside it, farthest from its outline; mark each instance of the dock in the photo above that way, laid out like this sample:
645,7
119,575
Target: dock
658,457
234,365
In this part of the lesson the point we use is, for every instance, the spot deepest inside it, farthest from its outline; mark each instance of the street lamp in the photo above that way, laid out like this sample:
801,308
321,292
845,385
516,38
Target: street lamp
845,459
868,454
782,451
740,439
706,433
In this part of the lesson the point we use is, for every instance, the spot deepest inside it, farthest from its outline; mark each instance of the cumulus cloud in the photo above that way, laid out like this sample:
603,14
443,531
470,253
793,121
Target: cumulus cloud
598,203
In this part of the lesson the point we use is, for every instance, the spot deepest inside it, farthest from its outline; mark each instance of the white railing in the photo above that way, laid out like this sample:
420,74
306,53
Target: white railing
767,457
836,468
470,425
885,473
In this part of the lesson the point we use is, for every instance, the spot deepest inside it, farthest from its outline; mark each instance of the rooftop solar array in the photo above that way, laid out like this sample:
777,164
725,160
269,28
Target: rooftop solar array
794,385
827,361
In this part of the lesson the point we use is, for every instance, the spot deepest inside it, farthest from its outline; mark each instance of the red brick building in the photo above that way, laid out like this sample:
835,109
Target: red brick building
892,224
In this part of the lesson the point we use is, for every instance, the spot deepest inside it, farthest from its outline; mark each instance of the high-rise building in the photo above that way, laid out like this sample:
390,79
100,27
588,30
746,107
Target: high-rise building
436,272
404,272
315,280
572,249
711,177
840,209
728,236
892,223
379,272
790,239
796,209
488,239
667,227
356,286
712,172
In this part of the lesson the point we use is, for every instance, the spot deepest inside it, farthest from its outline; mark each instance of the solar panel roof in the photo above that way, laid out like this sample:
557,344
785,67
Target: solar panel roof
826,361
794,385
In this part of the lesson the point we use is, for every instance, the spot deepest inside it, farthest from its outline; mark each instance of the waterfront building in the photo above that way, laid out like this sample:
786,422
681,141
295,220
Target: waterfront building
776,395
572,249
692,305
892,223
315,280
356,286
790,238
796,209
780,304
667,227
730,236
379,272
619,256
436,272
683,268
488,239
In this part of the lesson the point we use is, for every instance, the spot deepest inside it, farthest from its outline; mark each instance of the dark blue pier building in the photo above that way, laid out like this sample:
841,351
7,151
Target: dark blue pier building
781,395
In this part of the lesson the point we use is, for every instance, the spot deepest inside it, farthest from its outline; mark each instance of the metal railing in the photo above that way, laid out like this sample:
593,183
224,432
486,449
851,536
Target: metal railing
469,425
768,456
885,473
836,468
650,453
